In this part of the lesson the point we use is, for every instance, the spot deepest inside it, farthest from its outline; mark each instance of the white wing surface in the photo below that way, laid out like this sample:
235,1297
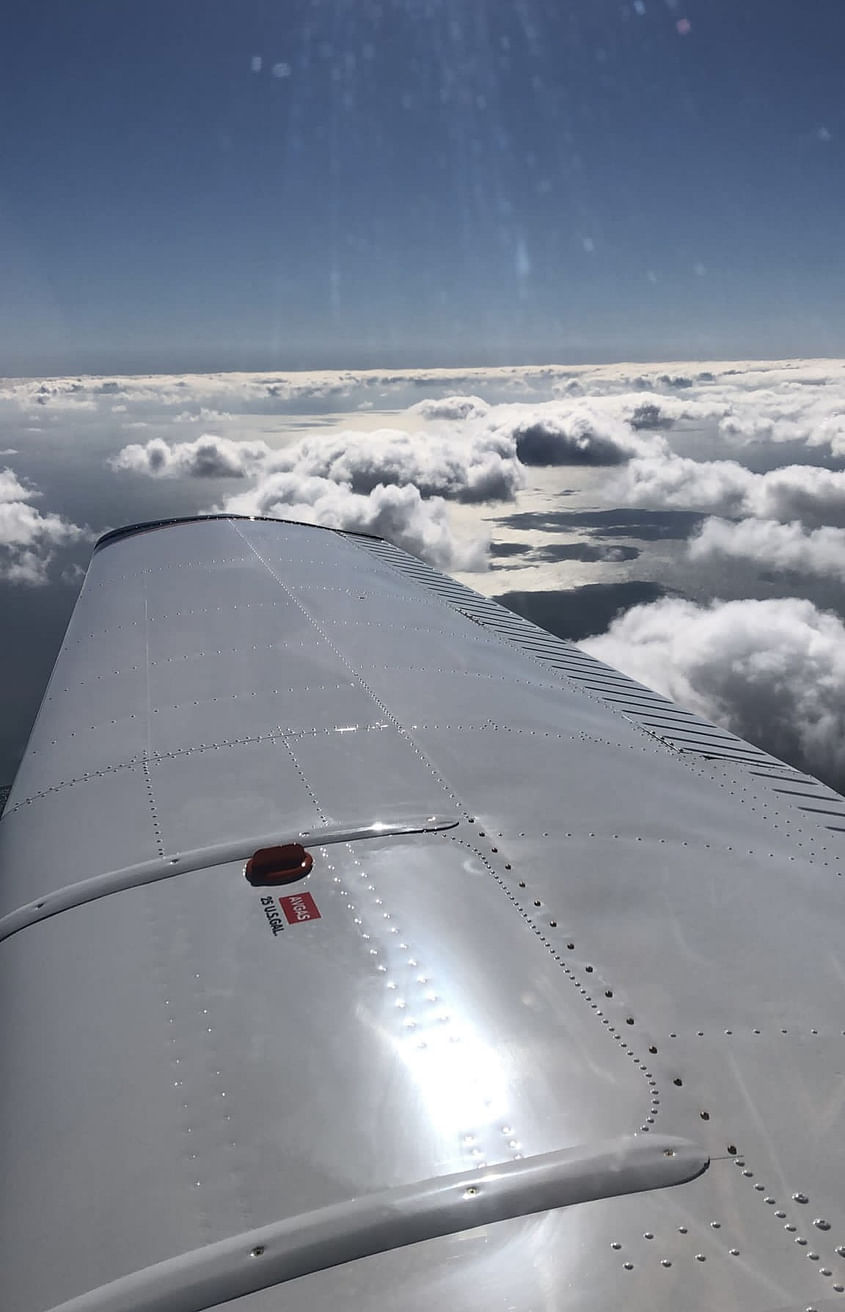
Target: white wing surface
555,1019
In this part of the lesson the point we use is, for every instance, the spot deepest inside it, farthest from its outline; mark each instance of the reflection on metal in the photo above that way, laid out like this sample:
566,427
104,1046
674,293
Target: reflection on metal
394,1218
203,858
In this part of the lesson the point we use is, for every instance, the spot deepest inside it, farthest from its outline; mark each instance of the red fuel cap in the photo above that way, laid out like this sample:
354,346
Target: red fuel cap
278,865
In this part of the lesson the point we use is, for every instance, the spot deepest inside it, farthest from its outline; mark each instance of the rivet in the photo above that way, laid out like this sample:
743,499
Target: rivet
470,1192
802,1242
734,1252
821,1224
665,1262
629,1266
732,1149
257,1251
699,1257
677,1080
780,1215
648,1235
682,1230
800,1198
616,1246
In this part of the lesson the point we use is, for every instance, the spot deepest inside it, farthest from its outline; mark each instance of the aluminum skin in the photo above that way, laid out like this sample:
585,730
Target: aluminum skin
632,933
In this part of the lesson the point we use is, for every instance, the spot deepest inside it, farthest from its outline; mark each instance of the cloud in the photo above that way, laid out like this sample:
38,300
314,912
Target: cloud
463,466
387,481
677,481
775,545
809,493
28,538
400,514
458,466
600,431
452,407
472,445
233,390
812,414
771,671
206,457
554,442
800,400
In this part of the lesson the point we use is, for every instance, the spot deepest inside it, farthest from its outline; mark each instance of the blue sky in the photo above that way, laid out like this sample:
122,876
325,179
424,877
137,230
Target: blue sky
215,185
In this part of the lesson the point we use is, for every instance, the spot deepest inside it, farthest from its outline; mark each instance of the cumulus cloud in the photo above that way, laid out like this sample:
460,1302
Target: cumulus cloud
206,457
771,671
601,431
775,545
28,538
463,467
400,514
809,493
812,413
452,407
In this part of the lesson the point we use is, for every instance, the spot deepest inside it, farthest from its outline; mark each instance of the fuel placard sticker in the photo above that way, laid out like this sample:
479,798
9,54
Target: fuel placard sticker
293,909
298,907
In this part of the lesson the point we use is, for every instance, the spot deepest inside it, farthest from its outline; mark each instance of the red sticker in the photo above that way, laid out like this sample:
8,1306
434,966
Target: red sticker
299,906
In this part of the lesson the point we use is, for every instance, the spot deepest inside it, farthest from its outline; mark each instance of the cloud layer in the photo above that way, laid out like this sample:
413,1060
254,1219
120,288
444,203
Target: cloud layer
772,671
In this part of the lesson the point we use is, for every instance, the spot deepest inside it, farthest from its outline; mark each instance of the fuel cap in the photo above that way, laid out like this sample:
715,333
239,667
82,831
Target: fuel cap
278,865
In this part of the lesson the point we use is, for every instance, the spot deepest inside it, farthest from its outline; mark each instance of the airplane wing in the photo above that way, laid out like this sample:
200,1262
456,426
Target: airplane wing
364,946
